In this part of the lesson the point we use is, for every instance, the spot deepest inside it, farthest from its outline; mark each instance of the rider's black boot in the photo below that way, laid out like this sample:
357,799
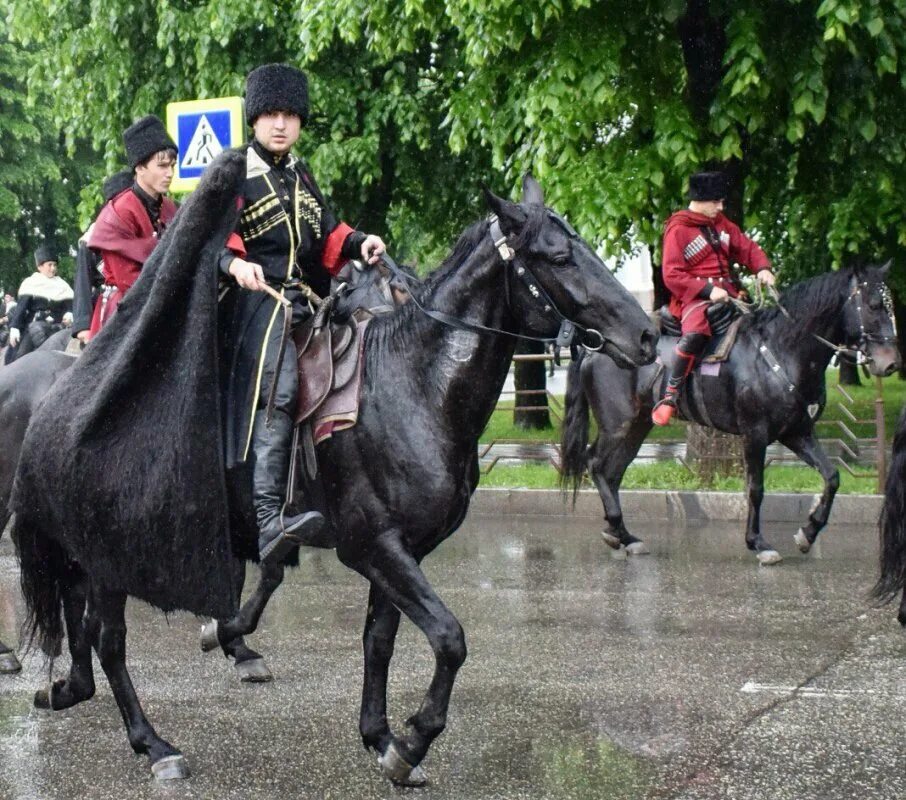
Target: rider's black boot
278,535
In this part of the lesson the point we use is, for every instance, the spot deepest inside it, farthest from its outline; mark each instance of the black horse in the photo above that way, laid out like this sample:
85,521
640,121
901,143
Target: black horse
392,497
772,388
893,526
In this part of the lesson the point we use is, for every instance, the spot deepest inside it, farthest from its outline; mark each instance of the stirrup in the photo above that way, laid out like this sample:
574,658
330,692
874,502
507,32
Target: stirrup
664,410
299,530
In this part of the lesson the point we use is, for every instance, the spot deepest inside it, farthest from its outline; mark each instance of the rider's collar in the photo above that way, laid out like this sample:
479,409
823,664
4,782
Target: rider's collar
500,239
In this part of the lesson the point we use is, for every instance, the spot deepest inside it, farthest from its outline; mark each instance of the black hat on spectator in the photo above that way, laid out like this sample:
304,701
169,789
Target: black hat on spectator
116,183
45,253
276,87
144,138
707,186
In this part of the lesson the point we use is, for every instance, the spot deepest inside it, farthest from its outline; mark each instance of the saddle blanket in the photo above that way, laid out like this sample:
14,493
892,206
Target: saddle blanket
340,409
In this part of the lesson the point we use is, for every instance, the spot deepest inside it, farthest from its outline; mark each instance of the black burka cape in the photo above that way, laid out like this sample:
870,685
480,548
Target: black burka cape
122,464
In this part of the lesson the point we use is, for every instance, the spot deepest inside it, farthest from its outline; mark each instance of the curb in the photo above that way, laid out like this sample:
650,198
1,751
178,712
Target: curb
849,509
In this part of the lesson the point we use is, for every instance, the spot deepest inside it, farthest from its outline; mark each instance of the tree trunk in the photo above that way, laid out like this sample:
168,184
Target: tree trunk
712,454
849,372
531,411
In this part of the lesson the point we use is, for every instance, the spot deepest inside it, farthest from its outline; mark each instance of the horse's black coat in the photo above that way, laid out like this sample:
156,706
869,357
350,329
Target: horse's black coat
746,398
398,483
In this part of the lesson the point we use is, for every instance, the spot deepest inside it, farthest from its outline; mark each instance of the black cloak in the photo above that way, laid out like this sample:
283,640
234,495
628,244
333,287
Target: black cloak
123,461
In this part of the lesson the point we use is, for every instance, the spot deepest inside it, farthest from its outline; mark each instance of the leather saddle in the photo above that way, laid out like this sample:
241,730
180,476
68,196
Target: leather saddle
724,319
327,356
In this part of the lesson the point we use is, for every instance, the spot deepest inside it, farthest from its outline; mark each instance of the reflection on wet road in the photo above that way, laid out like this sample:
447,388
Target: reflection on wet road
691,673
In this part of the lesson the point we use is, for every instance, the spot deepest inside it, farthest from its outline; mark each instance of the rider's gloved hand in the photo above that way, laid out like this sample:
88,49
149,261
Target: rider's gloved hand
372,248
14,337
765,277
718,295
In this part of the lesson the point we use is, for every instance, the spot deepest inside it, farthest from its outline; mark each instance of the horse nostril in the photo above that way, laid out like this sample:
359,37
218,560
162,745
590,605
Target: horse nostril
891,368
649,342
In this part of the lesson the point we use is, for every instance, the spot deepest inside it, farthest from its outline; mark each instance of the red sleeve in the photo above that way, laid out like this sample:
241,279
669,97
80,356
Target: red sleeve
332,258
744,251
235,243
682,285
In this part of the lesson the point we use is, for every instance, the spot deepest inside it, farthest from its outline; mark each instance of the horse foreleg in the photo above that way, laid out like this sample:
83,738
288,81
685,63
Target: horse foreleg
396,573
810,451
754,451
381,625
228,634
611,455
110,643
81,630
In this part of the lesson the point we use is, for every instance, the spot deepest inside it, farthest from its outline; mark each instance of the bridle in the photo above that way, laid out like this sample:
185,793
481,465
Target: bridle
858,352
590,338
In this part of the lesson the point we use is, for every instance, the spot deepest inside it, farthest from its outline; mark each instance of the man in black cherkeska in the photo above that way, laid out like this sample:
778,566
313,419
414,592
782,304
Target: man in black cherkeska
289,236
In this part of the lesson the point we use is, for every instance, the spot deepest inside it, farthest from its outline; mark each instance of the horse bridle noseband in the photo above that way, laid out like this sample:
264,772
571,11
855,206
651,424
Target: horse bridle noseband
568,328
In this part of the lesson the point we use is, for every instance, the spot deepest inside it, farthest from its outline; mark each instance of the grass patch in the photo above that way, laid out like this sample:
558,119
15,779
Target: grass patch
669,475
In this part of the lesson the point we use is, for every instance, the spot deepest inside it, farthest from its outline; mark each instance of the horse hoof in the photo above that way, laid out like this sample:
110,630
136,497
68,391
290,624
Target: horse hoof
399,770
768,557
802,541
254,671
9,664
611,540
637,549
209,640
42,700
170,768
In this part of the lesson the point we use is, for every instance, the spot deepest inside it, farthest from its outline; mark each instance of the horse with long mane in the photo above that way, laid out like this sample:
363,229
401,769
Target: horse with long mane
772,388
398,482
892,524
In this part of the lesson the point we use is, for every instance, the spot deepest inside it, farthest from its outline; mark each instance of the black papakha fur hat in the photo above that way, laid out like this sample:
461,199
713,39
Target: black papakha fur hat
145,137
116,183
45,253
276,87
707,186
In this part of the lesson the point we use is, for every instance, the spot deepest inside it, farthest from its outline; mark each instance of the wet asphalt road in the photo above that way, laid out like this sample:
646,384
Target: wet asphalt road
691,673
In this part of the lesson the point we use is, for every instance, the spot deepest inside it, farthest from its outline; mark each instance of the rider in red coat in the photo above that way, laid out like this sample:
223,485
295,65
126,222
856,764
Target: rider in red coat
130,225
700,243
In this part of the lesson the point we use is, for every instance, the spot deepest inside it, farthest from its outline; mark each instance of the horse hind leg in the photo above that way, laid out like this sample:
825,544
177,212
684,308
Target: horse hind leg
810,451
167,763
396,574
378,639
80,632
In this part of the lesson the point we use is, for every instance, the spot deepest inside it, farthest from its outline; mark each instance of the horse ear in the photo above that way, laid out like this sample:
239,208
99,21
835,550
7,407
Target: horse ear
511,217
884,271
531,190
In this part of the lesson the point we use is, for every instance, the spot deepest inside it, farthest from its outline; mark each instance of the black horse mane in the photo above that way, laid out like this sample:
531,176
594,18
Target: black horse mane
387,328
807,303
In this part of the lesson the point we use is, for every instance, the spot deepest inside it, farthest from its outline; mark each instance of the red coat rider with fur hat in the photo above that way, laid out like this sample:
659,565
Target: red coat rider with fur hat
700,243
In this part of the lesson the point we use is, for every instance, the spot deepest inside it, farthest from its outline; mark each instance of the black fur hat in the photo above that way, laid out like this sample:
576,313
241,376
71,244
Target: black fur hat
145,137
707,186
45,253
116,183
276,87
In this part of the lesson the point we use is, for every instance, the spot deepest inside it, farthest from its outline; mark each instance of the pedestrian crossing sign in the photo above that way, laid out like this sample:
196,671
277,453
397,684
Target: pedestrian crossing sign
202,129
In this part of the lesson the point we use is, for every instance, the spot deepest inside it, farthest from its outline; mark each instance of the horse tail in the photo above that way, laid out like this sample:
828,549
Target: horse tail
574,433
42,563
892,523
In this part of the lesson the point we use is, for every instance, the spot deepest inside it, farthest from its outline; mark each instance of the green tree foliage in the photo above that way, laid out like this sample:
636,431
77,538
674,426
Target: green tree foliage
38,197
612,104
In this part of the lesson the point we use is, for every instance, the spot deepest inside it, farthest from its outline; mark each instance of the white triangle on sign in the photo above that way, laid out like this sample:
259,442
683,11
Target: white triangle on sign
204,146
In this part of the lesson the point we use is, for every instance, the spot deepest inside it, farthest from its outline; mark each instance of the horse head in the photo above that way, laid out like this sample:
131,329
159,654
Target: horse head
868,320
556,276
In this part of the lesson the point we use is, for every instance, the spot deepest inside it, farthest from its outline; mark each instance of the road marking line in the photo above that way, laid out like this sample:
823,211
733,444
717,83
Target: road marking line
752,687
